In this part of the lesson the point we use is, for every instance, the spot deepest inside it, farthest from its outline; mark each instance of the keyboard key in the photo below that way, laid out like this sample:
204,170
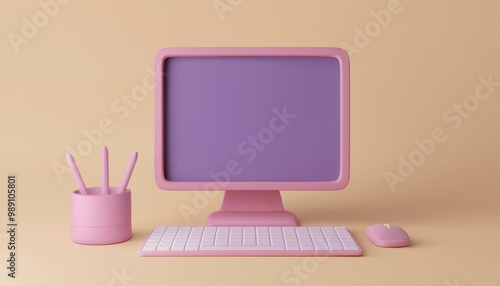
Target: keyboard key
244,248
250,241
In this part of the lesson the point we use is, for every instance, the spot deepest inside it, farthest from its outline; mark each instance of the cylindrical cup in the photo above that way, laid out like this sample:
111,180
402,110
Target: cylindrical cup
98,218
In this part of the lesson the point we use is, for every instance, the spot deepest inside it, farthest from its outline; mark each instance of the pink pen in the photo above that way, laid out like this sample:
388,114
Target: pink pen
128,173
105,171
76,174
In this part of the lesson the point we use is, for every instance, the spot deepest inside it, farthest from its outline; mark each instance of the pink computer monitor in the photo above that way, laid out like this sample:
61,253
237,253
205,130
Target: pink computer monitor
252,122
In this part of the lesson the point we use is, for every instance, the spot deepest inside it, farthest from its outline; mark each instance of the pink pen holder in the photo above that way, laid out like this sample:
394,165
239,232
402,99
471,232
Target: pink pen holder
98,218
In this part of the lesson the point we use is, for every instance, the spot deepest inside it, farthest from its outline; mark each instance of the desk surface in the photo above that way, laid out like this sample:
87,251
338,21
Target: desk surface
424,136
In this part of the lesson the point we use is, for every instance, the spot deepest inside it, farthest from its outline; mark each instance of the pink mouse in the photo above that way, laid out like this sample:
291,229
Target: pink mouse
385,235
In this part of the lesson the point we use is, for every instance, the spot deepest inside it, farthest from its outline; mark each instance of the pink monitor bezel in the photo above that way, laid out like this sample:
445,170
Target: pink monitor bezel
340,54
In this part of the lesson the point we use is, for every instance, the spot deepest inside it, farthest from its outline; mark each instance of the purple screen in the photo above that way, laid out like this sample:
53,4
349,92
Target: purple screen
272,119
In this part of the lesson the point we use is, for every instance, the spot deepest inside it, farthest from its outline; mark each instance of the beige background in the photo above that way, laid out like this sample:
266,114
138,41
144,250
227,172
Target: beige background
65,76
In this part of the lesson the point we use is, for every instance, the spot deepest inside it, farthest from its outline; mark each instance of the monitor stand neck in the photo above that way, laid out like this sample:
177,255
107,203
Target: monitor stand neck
252,208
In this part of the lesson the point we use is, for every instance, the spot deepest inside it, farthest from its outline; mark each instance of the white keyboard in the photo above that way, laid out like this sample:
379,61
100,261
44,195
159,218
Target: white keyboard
250,241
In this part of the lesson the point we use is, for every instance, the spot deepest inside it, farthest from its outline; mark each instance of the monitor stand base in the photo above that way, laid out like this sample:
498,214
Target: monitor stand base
252,208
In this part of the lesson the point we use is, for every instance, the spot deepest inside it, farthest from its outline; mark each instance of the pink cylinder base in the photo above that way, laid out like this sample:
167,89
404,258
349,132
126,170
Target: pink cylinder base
101,219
